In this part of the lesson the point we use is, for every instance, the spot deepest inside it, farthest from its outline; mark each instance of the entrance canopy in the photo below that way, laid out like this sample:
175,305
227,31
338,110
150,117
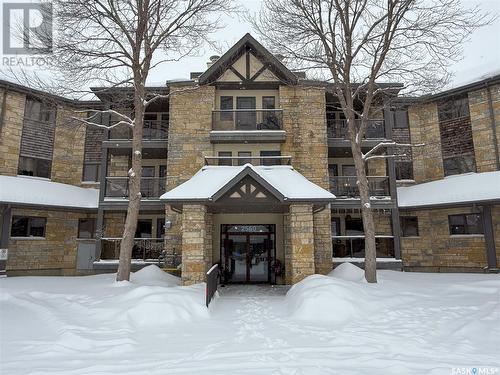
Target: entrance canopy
230,188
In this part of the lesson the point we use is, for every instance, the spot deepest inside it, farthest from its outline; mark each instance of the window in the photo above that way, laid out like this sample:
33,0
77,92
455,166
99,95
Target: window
348,170
226,104
86,228
268,102
400,119
225,154
34,167
271,161
39,111
409,226
459,164
28,226
453,108
144,229
91,172
160,228
246,157
335,226
466,224
333,170
404,170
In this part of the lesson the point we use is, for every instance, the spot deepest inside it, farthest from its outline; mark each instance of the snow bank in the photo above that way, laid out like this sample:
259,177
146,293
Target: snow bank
324,299
348,272
153,276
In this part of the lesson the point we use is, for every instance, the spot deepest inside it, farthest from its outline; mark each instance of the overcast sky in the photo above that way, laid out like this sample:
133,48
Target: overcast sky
482,52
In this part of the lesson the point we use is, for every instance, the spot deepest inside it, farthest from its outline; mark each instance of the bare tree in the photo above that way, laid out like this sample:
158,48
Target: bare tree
118,43
359,43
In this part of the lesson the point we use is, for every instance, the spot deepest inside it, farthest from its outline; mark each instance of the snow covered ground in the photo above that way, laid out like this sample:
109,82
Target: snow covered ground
409,323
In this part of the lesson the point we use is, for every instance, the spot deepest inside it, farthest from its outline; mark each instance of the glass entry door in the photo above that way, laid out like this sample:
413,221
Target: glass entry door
247,252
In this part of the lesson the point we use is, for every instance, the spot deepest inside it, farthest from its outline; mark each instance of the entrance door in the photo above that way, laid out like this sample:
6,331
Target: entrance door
247,252
246,115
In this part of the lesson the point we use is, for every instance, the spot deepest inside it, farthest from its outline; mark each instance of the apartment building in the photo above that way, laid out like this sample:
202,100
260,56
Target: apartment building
247,164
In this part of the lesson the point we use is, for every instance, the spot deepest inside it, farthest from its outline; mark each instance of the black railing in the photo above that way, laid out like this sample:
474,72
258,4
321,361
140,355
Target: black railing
346,186
247,119
242,160
354,246
151,187
212,282
338,129
144,249
152,130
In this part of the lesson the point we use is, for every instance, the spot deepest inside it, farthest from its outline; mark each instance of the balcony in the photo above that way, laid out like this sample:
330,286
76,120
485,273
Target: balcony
153,130
347,187
338,129
244,125
151,187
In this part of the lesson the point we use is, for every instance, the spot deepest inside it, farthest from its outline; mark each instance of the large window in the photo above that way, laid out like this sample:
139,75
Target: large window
466,224
271,161
28,226
459,164
91,172
404,170
39,111
86,228
29,166
453,108
409,226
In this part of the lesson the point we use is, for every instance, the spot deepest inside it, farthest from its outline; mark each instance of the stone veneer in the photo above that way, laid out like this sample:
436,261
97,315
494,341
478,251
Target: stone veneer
10,133
196,243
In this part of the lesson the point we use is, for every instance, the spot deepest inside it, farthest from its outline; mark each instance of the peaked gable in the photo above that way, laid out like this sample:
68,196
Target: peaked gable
247,61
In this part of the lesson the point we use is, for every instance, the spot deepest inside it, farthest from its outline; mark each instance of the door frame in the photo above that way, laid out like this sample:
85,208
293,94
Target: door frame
271,252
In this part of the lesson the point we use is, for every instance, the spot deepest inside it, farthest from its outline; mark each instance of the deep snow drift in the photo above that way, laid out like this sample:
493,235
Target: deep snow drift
408,323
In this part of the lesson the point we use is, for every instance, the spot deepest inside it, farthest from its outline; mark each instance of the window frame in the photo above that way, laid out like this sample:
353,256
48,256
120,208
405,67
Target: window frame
449,171
92,232
226,116
397,124
466,225
398,170
270,162
242,161
225,162
453,108
36,168
29,227
403,221
98,172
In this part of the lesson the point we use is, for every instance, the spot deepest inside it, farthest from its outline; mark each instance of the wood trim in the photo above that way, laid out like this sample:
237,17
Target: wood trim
259,72
237,73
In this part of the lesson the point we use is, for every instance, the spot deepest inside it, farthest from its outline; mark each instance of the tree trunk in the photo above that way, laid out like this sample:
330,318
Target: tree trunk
135,175
366,212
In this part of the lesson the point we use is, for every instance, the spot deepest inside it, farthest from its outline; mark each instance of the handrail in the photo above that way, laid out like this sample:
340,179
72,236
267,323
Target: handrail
247,119
212,281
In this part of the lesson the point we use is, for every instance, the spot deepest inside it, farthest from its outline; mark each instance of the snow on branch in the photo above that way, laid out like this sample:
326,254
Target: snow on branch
369,155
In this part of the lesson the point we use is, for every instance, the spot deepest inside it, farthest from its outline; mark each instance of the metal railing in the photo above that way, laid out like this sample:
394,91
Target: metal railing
338,129
242,160
152,130
212,282
346,186
354,246
151,187
247,119
145,249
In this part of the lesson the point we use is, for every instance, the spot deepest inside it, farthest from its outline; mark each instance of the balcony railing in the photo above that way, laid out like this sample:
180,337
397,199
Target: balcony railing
242,160
346,186
151,187
338,129
354,246
152,130
247,119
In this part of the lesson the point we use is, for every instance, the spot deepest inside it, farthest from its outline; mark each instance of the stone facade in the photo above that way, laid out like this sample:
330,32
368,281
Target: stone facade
11,131
196,244
54,254
322,242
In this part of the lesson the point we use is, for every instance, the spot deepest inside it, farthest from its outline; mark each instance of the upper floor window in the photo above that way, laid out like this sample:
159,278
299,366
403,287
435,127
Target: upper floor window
29,166
404,170
23,226
39,111
226,104
91,172
409,226
268,102
459,164
86,228
466,224
244,157
225,158
453,108
400,119
268,157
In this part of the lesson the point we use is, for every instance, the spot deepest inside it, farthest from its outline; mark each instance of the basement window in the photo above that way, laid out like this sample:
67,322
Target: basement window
466,224
28,226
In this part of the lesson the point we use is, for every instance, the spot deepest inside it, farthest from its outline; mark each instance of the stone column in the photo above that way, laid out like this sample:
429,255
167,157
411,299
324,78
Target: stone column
301,243
323,241
194,243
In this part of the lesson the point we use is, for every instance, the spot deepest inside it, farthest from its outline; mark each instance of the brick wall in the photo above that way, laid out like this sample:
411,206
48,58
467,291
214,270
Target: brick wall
10,133
436,250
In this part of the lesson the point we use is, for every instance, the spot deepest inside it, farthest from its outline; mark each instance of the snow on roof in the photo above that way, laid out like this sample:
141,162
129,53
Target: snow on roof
464,188
210,179
36,191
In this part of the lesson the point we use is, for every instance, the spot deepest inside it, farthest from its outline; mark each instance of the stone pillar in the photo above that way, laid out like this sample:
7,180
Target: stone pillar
323,241
195,246
301,243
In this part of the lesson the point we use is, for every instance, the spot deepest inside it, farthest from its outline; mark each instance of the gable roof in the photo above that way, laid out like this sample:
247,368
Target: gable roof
212,182
224,62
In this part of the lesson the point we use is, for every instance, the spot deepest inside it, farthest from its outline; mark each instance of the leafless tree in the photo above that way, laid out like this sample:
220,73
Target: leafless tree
118,43
359,43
